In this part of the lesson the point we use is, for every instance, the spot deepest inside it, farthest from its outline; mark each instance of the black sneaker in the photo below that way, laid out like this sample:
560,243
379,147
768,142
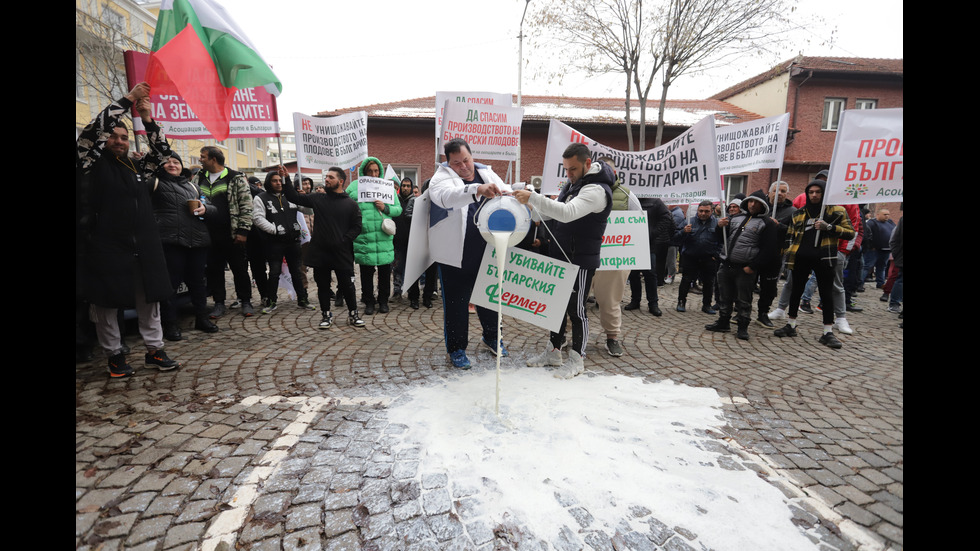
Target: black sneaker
708,310
247,309
304,304
828,339
354,319
721,326
786,331
205,325
853,307
632,305
160,361
118,368
764,321
327,321
805,307
682,305
369,309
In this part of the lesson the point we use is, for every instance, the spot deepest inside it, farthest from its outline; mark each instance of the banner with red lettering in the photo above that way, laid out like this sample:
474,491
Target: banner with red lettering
469,98
753,145
866,166
684,170
535,289
492,131
626,242
253,113
323,142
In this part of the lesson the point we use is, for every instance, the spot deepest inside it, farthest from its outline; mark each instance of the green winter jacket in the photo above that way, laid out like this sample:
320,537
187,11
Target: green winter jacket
373,247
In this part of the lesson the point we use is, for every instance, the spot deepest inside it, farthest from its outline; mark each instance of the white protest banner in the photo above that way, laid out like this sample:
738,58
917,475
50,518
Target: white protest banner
626,242
370,190
253,110
492,131
418,259
752,145
323,142
685,170
867,163
536,288
470,98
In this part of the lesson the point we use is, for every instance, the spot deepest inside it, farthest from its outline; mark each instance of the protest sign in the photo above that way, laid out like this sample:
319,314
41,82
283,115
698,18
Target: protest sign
253,111
536,288
418,258
626,242
867,163
752,145
323,142
492,131
685,170
469,98
371,189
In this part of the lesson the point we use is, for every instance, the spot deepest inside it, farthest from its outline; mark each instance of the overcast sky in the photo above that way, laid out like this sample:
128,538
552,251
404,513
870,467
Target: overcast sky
332,55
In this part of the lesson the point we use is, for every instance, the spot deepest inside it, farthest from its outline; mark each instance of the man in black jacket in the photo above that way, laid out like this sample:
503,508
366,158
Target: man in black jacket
581,212
338,223
119,256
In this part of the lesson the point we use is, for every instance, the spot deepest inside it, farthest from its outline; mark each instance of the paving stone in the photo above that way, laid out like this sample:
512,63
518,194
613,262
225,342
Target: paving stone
303,540
337,522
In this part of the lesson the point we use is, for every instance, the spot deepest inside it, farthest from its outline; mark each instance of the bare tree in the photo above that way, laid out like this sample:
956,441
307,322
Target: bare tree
699,34
641,39
601,37
100,67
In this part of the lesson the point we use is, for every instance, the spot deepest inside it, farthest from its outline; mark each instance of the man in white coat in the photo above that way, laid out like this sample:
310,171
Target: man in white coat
455,244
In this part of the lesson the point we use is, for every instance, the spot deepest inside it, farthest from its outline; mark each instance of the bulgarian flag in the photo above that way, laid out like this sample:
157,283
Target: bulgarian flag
200,54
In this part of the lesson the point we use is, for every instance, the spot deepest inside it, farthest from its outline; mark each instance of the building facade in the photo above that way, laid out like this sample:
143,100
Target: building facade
814,91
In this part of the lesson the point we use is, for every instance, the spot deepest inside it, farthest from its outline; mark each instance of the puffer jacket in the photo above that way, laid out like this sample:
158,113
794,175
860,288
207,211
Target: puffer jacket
373,247
176,223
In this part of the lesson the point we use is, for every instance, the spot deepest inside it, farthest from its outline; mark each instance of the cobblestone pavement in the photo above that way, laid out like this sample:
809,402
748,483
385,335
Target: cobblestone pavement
274,434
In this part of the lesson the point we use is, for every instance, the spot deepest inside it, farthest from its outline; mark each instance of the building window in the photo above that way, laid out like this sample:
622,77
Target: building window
735,185
832,109
866,104
114,19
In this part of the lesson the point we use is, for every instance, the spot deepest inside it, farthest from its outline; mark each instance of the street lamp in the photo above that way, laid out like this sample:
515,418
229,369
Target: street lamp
520,80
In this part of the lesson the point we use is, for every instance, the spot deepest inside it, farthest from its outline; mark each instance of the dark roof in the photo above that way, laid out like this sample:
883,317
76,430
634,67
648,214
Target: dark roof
679,113
824,66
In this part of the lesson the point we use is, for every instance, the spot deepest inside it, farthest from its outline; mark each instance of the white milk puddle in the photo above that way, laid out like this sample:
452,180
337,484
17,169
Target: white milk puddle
606,443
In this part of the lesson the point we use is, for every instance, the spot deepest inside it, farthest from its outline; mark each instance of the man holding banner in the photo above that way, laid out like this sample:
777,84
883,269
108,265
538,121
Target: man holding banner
455,191
581,212
812,241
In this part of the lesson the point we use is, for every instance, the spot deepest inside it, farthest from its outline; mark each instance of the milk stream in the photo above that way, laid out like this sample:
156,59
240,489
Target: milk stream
500,239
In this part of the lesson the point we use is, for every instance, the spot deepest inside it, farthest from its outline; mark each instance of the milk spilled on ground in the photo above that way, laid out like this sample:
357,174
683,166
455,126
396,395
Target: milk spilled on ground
500,240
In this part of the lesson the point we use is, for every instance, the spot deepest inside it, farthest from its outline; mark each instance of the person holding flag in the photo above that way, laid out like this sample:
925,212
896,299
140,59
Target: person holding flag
201,54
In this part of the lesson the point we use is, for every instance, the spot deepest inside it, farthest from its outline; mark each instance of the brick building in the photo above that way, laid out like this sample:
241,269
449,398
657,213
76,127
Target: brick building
814,91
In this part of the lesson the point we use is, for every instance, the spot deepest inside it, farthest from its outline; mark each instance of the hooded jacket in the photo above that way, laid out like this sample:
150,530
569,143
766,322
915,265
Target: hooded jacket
751,238
802,223
373,247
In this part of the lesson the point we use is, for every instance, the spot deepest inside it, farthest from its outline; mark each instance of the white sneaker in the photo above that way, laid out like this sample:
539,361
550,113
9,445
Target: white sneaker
551,357
841,325
574,366
777,314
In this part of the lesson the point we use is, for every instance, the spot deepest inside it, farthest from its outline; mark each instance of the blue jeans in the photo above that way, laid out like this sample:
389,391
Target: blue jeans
898,290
